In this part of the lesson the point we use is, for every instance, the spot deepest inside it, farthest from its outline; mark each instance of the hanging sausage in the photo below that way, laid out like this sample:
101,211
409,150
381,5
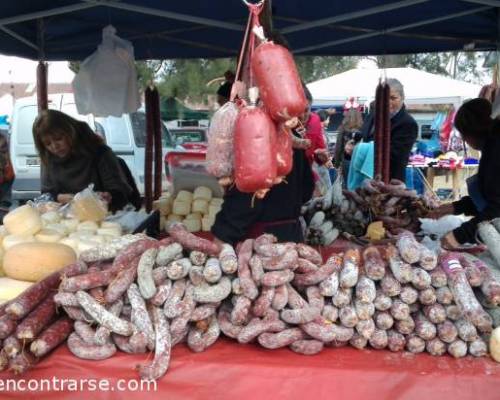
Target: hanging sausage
284,151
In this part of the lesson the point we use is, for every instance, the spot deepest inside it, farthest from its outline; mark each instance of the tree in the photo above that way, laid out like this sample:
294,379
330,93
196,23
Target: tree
314,68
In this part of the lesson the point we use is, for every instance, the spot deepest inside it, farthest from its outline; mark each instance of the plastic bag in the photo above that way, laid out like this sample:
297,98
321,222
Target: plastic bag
441,226
45,203
88,206
107,81
128,218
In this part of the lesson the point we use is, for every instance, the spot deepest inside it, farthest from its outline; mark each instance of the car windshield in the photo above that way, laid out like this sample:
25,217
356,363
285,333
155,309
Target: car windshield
138,120
189,136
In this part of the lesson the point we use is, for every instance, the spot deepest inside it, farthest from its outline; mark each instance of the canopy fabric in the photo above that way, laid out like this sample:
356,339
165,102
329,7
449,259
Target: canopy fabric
420,87
171,108
158,29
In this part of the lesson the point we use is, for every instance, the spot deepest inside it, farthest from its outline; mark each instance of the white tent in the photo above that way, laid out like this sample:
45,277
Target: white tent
420,87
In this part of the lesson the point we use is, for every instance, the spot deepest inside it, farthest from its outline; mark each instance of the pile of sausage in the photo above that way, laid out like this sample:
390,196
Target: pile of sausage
150,295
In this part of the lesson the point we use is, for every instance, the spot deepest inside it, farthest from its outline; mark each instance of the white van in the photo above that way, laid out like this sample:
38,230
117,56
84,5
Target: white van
126,135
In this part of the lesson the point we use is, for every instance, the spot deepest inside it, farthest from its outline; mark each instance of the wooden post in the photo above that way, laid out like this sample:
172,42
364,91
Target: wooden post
41,72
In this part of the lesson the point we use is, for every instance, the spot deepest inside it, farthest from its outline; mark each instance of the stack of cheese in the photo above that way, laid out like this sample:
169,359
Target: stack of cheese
196,210
25,224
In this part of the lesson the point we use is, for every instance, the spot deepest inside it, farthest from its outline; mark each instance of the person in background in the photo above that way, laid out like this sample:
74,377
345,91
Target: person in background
481,132
349,134
6,175
223,93
317,153
73,156
404,130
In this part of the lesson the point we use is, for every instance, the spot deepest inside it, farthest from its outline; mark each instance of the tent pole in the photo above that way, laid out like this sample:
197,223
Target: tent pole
391,30
41,71
10,32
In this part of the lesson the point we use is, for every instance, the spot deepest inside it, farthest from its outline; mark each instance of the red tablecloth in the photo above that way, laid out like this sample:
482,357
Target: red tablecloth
229,370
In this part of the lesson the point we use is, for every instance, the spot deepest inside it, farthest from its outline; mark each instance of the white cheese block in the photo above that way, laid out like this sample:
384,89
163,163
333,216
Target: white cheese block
194,216
12,240
202,192
181,207
48,236
192,225
184,195
11,288
213,210
24,220
71,242
200,206
174,218
71,224
110,224
110,231
216,200
59,228
163,205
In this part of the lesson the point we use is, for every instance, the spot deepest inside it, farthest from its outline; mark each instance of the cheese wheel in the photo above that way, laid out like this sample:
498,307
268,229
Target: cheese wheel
200,206
89,243
213,209
48,236
164,206
174,218
110,232
216,200
3,231
71,242
88,208
495,344
194,216
110,224
12,240
202,192
34,261
11,288
181,207
71,224
81,235
206,224
87,225
59,228
192,225
185,196
51,217
24,220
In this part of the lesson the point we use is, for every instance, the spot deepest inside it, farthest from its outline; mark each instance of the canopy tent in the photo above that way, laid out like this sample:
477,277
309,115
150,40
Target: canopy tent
171,109
420,87
71,29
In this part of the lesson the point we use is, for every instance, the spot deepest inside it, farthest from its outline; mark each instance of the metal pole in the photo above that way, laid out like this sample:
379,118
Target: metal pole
41,72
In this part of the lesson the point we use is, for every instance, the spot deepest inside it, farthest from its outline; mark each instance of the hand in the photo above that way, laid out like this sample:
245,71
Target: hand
64,198
442,210
449,242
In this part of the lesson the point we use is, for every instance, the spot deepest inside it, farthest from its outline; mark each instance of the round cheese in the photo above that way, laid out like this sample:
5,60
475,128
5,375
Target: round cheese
200,206
495,344
59,228
11,288
51,217
202,192
48,236
71,242
163,205
87,225
213,209
181,207
109,232
174,218
71,224
12,240
34,261
192,225
194,216
206,223
185,196
110,224
216,201
24,220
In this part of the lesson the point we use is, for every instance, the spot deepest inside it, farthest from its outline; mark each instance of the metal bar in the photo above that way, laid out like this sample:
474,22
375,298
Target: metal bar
491,3
46,13
390,30
167,14
352,15
19,37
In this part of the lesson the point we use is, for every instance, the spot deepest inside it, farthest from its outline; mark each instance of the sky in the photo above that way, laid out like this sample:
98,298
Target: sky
17,70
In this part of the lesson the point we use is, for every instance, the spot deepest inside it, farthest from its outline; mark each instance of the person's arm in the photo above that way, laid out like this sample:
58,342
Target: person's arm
113,180
238,213
401,149
464,206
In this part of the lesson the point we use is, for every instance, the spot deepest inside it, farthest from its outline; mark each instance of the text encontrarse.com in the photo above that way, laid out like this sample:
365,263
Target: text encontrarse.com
55,384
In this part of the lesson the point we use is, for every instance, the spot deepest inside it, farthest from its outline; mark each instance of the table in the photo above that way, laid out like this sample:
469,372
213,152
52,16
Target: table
456,176
229,370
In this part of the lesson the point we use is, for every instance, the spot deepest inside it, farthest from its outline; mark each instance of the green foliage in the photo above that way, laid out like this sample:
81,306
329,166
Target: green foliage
313,68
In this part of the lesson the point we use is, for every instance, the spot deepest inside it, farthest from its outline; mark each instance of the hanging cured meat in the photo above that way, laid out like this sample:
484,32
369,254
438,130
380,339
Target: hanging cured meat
284,151
279,82
255,163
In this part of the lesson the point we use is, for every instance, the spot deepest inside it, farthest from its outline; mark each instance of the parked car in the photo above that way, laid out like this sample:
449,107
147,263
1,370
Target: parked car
126,135
189,135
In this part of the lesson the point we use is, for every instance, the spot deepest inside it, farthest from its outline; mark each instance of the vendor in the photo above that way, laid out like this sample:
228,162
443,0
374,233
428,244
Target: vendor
404,130
243,216
73,156
480,132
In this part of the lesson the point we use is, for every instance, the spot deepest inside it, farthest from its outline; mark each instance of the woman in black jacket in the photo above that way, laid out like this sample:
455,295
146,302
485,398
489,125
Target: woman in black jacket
73,156
480,132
